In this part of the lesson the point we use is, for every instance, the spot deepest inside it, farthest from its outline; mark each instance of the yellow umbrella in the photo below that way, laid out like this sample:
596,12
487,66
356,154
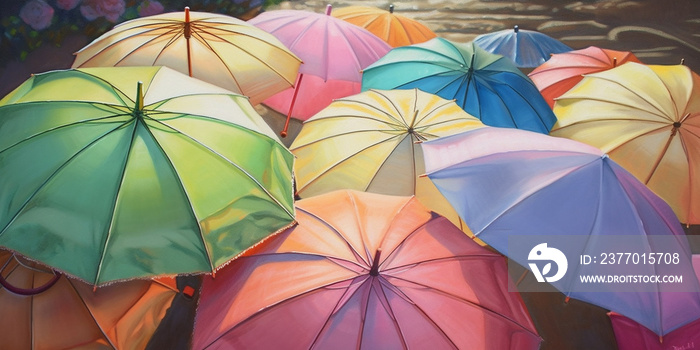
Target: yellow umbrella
396,30
46,311
647,118
368,142
219,49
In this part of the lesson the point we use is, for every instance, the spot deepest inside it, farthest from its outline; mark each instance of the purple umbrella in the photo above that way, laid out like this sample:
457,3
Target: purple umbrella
519,190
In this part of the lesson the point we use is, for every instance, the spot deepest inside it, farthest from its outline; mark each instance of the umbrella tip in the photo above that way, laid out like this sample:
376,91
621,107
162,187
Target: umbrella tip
682,60
516,28
375,263
329,8
566,300
283,133
391,8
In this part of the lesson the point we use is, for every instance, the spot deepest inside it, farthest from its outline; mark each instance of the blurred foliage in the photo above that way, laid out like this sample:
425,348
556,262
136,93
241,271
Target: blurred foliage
18,39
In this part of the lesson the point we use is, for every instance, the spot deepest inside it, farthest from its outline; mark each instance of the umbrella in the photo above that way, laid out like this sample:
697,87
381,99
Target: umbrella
527,48
631,335
394,29
564,70
485,85
331,49
367,142
363,270
106,178
218,49
647,118
69,314
517,189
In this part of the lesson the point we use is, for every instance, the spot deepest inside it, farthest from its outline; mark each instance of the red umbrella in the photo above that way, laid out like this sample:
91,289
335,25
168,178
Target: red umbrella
364,270
564,70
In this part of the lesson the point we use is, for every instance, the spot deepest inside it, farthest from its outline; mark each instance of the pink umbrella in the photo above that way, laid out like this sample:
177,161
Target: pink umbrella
631,335
331,49
364,271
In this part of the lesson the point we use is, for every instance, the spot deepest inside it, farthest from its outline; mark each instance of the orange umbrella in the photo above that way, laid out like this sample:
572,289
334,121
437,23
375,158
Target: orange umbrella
396,30
564,70
363,270
41,310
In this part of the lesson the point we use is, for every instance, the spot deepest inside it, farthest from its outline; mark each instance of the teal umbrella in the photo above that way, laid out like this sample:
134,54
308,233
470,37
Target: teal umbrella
487,86
119,173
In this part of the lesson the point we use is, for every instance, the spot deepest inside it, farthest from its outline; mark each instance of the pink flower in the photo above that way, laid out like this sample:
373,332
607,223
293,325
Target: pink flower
67,4
37,14
89,10
150,8
112,9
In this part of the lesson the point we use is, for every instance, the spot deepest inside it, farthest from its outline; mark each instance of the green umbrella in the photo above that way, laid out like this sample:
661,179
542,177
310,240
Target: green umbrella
107,178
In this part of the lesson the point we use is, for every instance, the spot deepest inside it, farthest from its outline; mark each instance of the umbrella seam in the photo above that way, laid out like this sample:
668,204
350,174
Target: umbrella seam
115,200
54,173
334,165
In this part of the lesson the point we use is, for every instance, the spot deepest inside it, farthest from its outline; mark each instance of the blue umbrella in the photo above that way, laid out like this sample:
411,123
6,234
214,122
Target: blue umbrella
487,86
538,198
527,48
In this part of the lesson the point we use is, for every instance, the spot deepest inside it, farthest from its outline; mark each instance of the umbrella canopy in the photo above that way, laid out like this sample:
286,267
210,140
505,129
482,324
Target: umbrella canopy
564,70
647,118
527,48
69,314
107,178
396,30
331,49
363,270
218,49
368,142
631,335
485,85
508,183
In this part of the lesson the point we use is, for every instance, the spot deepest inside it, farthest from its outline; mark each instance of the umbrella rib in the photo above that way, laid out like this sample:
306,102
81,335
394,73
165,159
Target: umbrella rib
469,303
328,137
528,102
279,303
329,258
422,128
435,109
92,315
652,131
632,107
54,173
532,194
247,174
339,234
475,256
690,168
419,309
660,158
396,108
115,199
170,42
399,123
57,128
132,51
634,92
334,312
324,172
265,63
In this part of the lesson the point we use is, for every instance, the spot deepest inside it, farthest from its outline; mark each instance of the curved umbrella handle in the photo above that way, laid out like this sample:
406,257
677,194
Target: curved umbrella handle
30,291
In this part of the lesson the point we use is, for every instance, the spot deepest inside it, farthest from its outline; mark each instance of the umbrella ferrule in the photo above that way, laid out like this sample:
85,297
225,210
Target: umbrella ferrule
138,108
374,271
188,26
